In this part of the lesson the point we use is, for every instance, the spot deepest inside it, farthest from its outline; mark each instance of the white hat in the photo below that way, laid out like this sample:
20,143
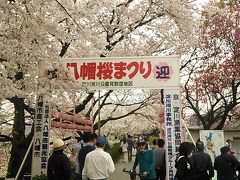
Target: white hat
58,144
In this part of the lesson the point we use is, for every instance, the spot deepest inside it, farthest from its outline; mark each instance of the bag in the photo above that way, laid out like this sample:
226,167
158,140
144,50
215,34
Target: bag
134,152
120,150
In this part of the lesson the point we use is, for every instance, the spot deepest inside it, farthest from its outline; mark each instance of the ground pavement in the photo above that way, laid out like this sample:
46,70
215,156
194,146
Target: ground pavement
118,173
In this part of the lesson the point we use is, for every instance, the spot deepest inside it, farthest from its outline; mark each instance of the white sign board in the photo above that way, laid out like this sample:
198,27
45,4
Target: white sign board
173,129
124,73
41,138
213,141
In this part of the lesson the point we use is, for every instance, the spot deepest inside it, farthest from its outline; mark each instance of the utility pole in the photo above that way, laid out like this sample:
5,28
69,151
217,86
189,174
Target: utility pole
99,112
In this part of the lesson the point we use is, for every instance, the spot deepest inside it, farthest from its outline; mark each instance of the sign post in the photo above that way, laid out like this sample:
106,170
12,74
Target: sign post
173,129
41,138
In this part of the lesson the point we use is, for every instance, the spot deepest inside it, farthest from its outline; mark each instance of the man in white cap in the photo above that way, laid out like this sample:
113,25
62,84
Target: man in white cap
59,167
98,163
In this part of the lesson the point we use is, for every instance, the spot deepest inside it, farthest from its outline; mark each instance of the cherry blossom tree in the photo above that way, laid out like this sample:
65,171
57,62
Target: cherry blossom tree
212,89
35,35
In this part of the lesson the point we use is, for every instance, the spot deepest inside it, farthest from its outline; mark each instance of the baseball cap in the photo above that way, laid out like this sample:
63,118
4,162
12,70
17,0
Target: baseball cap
101,140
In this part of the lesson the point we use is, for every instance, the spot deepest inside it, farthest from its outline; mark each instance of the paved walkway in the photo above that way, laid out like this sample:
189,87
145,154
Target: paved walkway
118,173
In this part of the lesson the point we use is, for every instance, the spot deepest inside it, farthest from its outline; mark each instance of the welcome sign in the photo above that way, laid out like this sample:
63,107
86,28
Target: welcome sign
124,73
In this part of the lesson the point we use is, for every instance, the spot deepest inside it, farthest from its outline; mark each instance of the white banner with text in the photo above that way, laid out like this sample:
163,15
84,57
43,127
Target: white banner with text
124,73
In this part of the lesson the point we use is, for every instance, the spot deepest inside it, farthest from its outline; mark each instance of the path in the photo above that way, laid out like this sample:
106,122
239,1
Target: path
118,173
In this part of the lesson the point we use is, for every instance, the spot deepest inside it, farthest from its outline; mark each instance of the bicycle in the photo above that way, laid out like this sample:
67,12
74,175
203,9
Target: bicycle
133,174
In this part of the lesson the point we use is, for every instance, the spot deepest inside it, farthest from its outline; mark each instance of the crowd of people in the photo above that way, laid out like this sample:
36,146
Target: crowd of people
93,163
198,165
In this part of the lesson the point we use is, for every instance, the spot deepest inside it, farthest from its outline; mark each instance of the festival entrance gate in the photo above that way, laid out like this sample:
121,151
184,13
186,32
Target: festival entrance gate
122,73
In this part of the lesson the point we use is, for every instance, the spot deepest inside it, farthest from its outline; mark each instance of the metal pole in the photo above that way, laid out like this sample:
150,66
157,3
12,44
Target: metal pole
188,132
99,112
24,159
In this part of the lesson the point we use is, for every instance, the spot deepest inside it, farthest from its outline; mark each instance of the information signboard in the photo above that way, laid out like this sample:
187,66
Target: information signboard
41,138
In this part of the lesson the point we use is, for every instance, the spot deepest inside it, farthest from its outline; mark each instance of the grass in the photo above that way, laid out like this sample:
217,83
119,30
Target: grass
113,151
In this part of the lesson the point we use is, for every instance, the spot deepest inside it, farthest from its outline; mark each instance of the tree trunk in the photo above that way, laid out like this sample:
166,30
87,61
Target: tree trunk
18,140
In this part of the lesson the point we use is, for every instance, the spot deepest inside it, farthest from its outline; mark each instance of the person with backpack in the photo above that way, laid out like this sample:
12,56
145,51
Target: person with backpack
90,142
226,165
202,163
185,171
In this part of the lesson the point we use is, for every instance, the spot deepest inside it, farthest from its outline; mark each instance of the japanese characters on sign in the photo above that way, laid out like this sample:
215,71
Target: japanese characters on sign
169,136
173,129
41,138
135,72
177,122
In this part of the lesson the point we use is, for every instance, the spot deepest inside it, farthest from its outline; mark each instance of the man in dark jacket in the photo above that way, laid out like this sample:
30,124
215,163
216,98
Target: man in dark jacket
59,167
90,142
202,163
226,165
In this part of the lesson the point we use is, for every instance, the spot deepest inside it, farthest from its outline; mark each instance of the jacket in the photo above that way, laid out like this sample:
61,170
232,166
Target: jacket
184,168
147,162
82,155
59,167
202,164
226,166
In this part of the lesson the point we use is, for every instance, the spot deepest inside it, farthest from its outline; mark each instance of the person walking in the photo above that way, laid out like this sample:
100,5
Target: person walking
159,153
59,167
146,160
90,141
226,165
183,165
98,163
202,163
76,147
124,152
130,147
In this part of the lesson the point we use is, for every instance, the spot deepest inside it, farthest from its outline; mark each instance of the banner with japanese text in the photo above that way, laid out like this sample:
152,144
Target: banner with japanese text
41,138
173,129
123,73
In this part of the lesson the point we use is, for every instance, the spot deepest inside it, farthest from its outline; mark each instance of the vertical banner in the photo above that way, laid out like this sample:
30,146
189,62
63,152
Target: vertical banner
41,138
173,129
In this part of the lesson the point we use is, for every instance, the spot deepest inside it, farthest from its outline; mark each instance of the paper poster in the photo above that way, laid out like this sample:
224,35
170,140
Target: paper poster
213,141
